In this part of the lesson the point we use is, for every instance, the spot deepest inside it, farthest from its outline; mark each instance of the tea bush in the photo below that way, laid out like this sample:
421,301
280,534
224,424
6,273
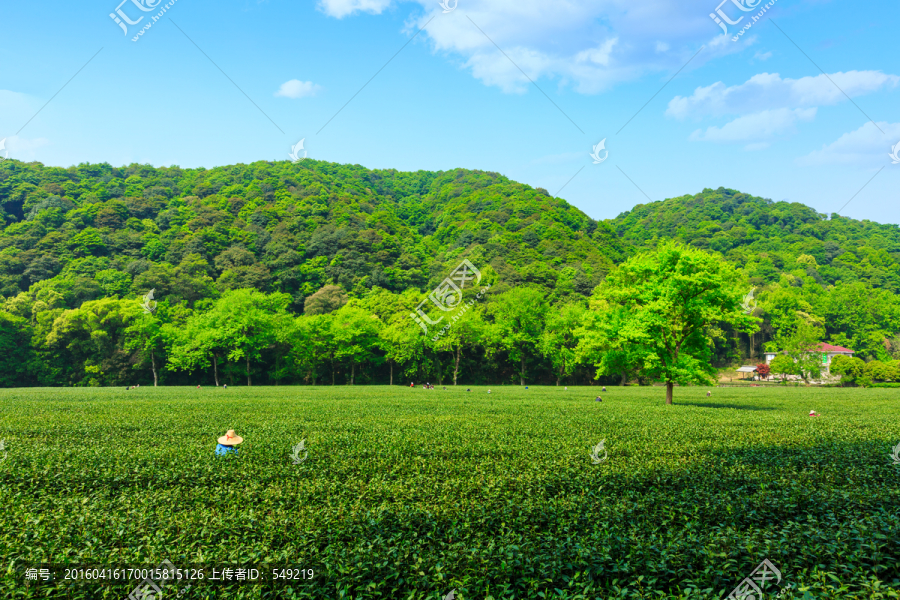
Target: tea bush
409,494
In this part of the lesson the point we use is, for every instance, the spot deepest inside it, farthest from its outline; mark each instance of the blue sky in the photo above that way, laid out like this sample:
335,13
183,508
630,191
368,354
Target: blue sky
755,114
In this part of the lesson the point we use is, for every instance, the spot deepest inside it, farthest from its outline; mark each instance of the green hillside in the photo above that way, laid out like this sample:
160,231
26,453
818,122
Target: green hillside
770,238
79,246
96,230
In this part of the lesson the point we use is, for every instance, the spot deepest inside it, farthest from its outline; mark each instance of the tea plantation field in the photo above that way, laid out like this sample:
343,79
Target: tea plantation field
411,494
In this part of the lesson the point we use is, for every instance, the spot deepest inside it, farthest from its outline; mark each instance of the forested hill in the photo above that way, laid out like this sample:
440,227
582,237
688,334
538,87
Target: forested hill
79,246
95,230
769,238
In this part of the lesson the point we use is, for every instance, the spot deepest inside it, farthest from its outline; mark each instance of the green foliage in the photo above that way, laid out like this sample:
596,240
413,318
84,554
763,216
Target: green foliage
880,371
410,494
666,308
849,368
16,357
784,365
326,300
325,234
801,347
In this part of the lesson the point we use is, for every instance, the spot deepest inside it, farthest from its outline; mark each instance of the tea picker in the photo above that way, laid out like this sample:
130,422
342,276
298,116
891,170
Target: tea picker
227,443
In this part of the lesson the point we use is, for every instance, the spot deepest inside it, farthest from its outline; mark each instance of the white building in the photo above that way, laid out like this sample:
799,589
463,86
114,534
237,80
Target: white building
827,351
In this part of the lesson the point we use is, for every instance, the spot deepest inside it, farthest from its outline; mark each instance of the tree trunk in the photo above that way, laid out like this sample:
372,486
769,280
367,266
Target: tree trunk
522,374
153,363
391,364
669,389
248,370
332,373
352,372
216,369
456,366
624,378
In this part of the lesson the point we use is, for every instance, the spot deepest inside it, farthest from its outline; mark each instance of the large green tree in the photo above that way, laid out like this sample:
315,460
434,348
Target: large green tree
560,340
247,320
518,323
466,333
355,333
671,305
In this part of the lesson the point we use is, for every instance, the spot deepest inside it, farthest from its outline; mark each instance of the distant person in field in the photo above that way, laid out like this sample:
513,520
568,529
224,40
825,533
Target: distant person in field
813,413
228,442
604,388
708,394
599,399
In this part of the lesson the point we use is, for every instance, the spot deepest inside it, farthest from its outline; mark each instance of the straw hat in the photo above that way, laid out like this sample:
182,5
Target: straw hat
230,439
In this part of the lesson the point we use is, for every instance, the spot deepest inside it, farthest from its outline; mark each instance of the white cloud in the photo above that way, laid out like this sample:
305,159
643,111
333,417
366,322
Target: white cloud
342,8
298,89
762,55
756,126
866,146
588,45
22,148
769,91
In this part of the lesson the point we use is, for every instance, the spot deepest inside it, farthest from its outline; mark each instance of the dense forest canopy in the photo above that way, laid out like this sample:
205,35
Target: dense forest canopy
328,246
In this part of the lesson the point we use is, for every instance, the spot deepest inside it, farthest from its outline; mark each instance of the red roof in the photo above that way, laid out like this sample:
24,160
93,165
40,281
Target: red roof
822,347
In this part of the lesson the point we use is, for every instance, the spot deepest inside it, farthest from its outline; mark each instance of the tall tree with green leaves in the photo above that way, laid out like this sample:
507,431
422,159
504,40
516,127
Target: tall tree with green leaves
559,342
518,323
147,336
355,333
466,333
671,305
247,320
312,344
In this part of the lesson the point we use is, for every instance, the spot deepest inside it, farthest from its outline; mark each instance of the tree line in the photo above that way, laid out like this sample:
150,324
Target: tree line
94,238
657,317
